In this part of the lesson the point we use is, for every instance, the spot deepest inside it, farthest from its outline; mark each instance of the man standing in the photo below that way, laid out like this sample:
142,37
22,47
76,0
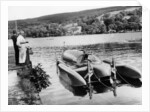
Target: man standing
14,39
21,43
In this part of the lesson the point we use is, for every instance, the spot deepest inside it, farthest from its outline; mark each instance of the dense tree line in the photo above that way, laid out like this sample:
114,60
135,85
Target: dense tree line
120,22
125,21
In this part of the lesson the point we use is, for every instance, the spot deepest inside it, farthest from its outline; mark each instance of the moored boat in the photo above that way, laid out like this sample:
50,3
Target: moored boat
80,69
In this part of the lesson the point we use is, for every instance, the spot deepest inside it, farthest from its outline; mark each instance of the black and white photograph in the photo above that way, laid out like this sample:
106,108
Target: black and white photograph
75,55
88,57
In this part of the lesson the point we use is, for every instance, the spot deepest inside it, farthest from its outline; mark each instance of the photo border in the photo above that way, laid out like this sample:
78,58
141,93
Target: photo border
4,60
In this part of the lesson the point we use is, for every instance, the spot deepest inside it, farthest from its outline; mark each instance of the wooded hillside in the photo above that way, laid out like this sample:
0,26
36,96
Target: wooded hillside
96,21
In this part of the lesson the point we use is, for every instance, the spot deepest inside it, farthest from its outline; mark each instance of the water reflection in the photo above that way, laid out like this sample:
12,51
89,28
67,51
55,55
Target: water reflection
99,87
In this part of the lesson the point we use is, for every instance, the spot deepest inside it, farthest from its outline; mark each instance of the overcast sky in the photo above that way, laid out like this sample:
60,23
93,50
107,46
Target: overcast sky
24,12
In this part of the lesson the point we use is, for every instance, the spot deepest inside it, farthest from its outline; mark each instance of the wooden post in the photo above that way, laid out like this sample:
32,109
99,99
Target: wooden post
28,61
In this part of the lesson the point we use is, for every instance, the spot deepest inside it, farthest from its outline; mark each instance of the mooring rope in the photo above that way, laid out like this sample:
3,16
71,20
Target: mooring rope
102,82
123,78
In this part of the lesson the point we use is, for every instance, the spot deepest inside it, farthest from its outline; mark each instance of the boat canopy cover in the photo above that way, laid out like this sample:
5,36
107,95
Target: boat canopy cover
73,55
79,56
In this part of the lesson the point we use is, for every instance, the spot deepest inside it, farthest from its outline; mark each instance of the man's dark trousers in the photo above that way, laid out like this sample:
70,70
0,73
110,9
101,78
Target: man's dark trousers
14,38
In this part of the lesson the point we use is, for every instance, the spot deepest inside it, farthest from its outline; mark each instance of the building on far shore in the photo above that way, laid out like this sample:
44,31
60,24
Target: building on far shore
73,29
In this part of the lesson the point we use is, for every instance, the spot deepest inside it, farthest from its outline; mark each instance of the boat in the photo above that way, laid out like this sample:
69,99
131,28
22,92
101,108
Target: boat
85,70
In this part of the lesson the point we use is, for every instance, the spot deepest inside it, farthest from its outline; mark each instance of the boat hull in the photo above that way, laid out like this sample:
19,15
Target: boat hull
128,71
75,77
72,77
74,68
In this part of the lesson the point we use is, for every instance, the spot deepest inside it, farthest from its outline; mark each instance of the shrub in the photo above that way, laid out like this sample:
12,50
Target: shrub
27,86
39,78
34,79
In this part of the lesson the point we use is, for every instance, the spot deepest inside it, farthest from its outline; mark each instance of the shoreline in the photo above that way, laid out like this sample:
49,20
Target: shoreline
83,39
83,35
79,35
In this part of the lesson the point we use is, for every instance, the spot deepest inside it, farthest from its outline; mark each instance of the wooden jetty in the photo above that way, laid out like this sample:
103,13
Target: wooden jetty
11,60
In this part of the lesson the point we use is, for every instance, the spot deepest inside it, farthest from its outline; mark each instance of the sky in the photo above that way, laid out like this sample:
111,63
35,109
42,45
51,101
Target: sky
24,12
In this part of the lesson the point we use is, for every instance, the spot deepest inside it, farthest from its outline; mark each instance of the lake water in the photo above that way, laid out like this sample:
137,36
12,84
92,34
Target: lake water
123,52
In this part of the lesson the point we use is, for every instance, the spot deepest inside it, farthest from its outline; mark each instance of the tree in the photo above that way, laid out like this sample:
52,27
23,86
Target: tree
88,20
134,18
98,28
119,25
112,27
103,28
118,17
108,21
134,26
